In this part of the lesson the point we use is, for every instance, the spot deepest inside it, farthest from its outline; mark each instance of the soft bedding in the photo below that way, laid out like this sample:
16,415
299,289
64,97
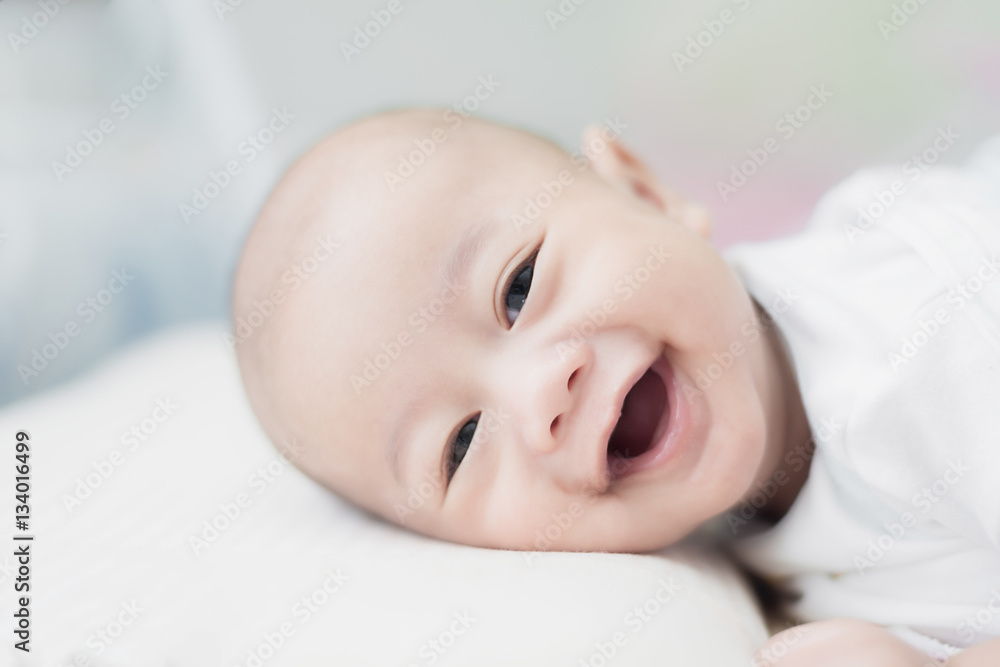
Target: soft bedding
168,531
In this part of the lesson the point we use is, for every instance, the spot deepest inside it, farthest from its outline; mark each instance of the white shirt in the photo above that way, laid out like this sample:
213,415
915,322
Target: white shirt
892,322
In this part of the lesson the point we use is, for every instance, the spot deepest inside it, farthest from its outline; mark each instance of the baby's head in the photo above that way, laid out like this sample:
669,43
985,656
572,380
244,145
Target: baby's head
478,336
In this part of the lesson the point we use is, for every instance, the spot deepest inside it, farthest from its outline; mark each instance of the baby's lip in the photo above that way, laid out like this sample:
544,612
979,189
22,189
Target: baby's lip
621,388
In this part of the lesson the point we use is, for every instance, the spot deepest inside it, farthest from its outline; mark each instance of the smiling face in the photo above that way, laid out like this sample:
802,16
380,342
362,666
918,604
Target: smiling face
495,374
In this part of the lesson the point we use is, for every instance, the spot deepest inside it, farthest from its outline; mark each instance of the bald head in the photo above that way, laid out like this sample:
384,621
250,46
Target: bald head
354,203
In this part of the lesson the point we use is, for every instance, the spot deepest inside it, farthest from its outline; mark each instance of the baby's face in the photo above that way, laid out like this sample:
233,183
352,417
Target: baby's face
506,374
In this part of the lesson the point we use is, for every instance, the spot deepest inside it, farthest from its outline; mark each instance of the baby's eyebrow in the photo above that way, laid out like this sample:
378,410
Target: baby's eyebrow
401,429
465,251
399,436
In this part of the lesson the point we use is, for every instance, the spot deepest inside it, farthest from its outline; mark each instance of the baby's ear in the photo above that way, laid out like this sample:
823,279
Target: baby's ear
622,169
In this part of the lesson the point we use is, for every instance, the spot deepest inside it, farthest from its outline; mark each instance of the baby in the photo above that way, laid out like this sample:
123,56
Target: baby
470,331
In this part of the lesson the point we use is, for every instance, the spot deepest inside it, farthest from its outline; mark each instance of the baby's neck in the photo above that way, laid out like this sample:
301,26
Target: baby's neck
790,445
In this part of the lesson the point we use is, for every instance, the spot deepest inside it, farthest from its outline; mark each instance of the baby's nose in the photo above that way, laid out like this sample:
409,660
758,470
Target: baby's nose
541,388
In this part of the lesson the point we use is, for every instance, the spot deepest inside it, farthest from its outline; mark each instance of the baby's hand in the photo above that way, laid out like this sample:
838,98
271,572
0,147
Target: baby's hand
986,654
842,643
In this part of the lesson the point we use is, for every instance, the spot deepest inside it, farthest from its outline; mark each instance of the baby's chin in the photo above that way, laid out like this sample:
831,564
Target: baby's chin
560,532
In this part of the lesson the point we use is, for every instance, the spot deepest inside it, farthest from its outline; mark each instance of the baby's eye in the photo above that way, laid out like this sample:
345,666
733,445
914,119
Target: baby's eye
459,445
517,290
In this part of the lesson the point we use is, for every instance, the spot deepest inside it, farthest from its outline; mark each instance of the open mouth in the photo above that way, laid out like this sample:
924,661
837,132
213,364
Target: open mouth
642,413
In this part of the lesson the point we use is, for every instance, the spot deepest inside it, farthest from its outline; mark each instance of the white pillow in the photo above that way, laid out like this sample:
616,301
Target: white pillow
117,497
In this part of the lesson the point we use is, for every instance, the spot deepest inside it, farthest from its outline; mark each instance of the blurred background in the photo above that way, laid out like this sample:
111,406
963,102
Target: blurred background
138,138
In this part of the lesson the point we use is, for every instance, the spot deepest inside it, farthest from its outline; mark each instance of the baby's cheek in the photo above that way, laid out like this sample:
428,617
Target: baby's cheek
697,302
530,520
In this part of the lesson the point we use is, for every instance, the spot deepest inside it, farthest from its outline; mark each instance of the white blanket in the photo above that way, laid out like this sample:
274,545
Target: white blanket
169,532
